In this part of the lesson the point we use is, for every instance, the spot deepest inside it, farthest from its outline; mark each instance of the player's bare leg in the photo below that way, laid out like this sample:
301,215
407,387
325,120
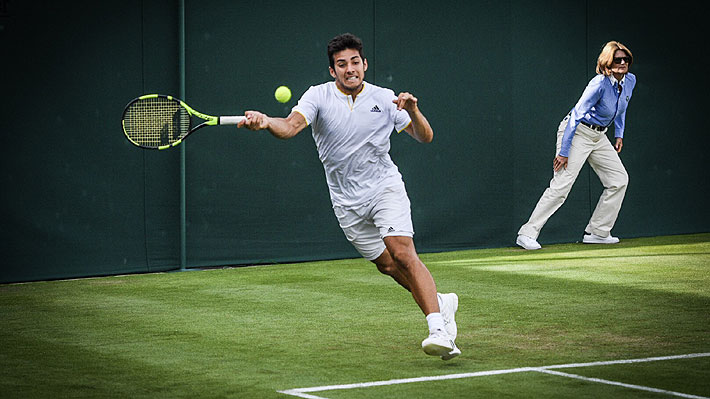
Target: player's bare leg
401,262
386,265
413,273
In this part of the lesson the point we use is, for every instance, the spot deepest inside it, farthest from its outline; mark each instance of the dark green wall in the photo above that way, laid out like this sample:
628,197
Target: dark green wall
493,77
77,199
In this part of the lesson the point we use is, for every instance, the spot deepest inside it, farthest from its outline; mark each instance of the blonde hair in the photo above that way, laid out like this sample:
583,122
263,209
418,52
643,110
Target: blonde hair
606,57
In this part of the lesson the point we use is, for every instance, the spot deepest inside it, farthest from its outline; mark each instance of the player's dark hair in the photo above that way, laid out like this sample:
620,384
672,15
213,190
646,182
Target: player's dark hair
343,42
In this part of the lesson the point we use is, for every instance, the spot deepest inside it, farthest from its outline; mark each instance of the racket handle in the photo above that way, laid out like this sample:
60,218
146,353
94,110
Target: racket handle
230,120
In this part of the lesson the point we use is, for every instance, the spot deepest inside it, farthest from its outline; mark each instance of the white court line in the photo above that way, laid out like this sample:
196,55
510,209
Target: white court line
303,392
626,361
621,384
402,381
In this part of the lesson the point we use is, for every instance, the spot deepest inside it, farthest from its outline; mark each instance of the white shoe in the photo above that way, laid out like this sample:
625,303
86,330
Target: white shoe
454,352
528,243
438,343
595,239
448,304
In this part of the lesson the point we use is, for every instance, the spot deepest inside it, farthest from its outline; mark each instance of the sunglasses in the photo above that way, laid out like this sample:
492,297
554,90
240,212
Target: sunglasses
617,60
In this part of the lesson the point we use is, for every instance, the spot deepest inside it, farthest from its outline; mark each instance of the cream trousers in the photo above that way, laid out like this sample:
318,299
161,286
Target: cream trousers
587,145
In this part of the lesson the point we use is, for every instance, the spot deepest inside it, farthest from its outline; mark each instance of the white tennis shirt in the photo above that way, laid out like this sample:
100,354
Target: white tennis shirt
353,139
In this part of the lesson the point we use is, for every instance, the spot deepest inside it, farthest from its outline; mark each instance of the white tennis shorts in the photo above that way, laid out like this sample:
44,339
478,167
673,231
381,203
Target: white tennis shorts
387,214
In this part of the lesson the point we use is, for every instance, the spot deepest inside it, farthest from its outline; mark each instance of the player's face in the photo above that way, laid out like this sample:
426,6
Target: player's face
349,70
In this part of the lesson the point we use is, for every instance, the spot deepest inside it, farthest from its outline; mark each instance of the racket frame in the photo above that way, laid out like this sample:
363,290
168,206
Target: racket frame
209,120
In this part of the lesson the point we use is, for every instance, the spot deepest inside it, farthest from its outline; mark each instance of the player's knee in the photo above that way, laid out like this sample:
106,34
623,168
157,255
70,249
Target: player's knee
386,268
405,259
385,264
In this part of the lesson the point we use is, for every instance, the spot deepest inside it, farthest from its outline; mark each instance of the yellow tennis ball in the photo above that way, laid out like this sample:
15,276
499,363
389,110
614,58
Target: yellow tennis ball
283,94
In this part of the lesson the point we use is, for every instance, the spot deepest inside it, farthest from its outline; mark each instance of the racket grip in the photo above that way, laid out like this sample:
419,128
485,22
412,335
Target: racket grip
230,120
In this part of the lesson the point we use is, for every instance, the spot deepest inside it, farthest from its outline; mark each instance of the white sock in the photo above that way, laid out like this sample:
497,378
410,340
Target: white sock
435,321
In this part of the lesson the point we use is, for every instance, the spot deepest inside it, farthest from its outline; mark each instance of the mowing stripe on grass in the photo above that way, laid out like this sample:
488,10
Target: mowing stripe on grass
303,392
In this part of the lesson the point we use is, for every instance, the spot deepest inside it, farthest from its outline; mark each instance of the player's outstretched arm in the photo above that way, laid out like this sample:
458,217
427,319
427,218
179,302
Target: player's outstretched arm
282,128
420,128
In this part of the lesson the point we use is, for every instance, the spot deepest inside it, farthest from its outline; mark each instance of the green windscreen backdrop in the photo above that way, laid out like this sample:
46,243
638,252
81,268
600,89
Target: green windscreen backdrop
494,78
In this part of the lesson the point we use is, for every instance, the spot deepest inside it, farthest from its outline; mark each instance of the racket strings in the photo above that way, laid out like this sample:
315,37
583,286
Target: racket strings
156,122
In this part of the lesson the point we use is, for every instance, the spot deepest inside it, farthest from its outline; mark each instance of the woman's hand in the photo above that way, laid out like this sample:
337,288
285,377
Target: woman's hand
559,162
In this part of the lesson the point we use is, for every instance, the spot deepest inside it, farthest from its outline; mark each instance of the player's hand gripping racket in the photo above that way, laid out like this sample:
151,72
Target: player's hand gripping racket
157,122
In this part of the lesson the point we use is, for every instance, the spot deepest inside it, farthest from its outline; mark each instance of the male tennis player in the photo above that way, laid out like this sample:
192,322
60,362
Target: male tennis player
352,121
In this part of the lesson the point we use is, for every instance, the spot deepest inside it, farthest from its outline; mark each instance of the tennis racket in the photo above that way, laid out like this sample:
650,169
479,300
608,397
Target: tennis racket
157,122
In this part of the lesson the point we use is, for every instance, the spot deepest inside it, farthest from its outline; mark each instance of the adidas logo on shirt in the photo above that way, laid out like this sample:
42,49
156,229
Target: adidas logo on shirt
375,109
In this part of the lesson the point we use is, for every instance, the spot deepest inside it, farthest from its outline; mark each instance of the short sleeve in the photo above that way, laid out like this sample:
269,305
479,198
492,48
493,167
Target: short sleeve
401,118
308,104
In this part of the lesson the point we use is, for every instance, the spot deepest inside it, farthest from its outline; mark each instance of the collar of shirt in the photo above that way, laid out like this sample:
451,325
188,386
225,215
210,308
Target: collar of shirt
613,80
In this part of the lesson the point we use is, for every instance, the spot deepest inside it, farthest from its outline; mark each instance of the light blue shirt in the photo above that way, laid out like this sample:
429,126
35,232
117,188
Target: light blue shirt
600,104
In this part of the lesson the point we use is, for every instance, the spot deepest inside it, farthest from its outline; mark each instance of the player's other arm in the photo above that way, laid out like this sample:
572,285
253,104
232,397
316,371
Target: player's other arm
282,128
420,128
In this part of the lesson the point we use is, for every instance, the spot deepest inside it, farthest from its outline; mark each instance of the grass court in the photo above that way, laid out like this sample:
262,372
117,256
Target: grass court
629,320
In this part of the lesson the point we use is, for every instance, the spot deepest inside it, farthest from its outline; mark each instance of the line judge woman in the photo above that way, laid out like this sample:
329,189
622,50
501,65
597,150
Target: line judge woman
581,137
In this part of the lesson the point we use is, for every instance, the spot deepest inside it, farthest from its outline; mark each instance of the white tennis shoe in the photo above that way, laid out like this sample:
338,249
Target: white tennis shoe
452,354
448,305
528,243
438,343
595,239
